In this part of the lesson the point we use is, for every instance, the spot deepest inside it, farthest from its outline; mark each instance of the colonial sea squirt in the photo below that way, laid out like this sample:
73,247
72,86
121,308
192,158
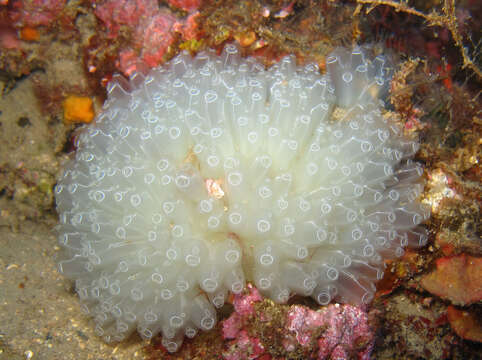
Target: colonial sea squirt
213,171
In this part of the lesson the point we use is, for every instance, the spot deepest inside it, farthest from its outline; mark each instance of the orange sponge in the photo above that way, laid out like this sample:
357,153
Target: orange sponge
29,34
78,109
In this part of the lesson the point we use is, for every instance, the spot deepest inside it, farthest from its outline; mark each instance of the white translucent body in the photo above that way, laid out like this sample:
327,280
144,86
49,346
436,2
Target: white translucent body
212,171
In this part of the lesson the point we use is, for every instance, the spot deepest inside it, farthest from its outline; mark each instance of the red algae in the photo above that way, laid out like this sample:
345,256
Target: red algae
149,25
9,38
458,279
189,28
186,5
155,37
465,323
149,31
116,14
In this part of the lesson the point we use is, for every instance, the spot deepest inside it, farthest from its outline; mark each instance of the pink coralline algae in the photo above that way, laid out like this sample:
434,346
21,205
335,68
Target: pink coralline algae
35,12
243,308
245,347
346,333
243,305
333,332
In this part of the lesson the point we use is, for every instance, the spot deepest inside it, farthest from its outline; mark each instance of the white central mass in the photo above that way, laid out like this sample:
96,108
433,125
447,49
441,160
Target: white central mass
212,171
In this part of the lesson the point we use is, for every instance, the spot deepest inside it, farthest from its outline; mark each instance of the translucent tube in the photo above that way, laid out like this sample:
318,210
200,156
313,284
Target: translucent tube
209,277
173,344
264,277
266,254
279,293
309,234
229,253
414,238
293,251
72,241
175,312
322,294
72,267
234,280
218,297
354,290
193,252
296,278
203,314
147,332
362,268
190,329
335,258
